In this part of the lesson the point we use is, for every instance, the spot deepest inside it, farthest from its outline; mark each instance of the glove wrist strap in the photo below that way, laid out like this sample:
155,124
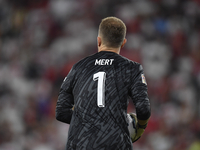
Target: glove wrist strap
142,126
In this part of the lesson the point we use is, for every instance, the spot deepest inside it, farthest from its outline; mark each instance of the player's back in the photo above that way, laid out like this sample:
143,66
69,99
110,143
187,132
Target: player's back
101,89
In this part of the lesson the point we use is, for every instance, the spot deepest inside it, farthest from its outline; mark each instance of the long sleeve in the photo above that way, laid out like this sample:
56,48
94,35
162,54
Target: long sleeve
65,100
139,95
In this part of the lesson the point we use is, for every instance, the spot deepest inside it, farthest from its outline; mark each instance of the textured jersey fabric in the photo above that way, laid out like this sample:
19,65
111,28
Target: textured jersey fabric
112,79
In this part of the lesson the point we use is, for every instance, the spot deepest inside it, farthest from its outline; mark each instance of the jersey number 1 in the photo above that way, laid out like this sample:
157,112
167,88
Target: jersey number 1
101,77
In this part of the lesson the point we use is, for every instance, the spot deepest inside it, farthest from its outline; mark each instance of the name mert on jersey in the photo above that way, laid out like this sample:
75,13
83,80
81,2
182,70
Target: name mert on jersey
104,61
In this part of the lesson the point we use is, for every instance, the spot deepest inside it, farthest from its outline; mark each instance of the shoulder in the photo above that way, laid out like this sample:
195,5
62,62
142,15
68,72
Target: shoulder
130,63
83,61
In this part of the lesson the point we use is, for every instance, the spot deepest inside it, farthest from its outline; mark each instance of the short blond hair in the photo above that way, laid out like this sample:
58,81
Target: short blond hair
112,30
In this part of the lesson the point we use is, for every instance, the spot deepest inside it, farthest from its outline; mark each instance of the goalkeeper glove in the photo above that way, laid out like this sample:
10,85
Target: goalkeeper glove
140,127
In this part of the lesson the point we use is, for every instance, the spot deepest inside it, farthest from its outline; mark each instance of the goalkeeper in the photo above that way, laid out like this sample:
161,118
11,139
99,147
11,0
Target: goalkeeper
94,96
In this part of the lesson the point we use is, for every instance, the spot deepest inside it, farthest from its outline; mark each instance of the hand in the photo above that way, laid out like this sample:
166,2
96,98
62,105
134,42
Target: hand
140,127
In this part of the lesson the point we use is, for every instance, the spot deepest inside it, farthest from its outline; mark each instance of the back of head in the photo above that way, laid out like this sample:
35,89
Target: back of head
112,32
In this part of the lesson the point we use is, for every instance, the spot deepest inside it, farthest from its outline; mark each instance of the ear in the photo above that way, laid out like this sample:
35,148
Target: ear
124,42
99,41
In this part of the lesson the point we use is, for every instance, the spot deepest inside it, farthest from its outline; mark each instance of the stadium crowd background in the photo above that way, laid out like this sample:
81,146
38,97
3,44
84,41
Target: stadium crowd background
40,40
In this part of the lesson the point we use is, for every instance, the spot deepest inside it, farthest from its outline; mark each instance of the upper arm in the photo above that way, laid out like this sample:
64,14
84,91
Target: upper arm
138,93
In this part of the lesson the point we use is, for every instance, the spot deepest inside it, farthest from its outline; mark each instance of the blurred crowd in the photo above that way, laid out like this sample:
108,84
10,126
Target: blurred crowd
40,40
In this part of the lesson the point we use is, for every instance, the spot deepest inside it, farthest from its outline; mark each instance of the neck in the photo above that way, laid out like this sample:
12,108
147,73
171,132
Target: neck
104,48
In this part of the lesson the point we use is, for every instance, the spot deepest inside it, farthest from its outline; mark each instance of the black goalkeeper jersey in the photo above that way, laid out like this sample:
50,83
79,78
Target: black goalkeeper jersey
99,86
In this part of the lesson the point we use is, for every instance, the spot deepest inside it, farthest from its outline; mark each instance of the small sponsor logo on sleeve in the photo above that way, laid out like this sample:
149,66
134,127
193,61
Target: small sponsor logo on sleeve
143,79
